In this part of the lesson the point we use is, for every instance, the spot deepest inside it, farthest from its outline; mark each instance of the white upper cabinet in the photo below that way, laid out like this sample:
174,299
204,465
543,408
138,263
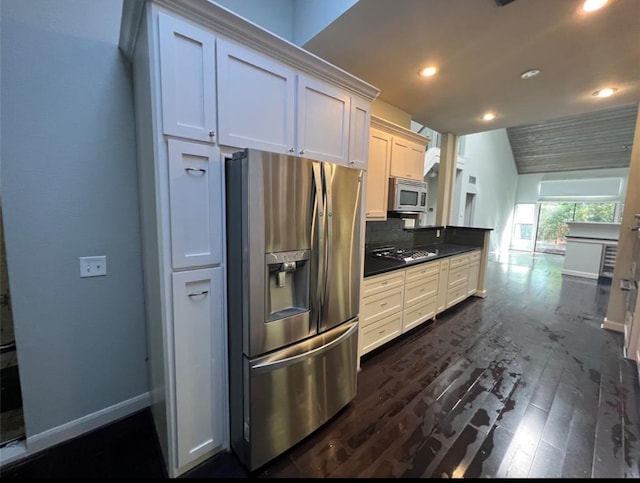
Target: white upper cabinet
323,121
195,199
378,174
265,104
256,100
359,133
407,159
188,82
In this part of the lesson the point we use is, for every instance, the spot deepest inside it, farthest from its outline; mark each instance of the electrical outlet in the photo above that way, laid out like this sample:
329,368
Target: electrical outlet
93,266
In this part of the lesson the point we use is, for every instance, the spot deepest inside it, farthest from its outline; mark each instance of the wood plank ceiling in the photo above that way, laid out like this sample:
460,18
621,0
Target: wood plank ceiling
601,139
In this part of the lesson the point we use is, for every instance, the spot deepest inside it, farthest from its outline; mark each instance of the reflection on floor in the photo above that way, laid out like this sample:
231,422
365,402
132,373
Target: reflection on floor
523,383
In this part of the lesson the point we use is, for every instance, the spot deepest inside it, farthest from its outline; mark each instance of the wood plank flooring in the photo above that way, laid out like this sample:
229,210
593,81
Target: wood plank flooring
522,384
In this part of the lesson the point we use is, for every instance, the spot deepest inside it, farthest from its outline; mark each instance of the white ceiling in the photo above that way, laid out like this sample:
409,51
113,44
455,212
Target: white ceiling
481,49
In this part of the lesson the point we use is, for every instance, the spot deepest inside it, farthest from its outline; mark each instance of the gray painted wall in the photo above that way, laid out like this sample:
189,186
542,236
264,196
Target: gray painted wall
69,189
273,15
490,154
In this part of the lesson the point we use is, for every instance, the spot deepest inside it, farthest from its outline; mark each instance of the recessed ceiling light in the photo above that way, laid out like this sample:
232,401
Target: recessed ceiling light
606,92
593,5
530,73
488,116
429,71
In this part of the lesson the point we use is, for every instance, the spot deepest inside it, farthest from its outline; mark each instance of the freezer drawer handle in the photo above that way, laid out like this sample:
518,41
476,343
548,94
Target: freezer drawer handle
288,361
204,292
191,170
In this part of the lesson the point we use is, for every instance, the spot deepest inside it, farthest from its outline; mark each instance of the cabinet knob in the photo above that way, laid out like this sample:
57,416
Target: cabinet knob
352,161
302,151
291,150
212,133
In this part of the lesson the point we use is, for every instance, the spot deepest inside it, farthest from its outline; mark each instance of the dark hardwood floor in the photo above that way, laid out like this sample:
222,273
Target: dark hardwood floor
522,384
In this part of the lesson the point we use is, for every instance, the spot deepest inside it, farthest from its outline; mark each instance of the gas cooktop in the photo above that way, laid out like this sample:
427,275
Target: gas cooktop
402,254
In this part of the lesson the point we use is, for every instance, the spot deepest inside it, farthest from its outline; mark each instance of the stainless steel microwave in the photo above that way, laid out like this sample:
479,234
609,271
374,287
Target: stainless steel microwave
406,196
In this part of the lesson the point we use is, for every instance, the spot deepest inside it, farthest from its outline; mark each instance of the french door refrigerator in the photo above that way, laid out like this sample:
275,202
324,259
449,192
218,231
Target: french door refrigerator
293,242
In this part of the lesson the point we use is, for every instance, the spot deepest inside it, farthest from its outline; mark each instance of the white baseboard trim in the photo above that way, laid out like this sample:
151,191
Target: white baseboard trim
76,428
576,273
480,293
611,325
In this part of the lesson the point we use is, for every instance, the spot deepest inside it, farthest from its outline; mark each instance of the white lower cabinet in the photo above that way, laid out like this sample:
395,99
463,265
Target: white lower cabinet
443,281
398,301
198,347
381,309
457,280
474,272
418,314
420,294
380,332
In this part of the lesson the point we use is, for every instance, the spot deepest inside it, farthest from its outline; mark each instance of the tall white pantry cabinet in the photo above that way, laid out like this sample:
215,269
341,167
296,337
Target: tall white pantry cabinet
208,83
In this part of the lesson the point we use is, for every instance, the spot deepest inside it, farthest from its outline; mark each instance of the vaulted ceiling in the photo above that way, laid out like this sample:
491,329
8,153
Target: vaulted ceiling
601,139
481,47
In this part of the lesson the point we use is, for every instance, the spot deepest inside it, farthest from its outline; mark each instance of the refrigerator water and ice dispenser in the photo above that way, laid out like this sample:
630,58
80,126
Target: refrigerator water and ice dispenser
287,275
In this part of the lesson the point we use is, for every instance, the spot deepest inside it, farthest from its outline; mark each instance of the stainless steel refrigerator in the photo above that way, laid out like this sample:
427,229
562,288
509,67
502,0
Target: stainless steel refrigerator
293,263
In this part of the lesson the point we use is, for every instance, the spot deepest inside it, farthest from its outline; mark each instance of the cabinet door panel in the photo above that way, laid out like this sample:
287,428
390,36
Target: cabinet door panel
198,356
407,159
359,133
443,285
474,271
187,63
323,121
378,174
256,100
195,198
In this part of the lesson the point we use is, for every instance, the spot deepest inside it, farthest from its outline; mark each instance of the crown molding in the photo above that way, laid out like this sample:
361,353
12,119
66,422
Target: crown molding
393,128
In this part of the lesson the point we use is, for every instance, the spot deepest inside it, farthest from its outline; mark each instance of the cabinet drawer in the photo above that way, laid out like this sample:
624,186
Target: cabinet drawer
458,275
420,313
456,294
422,271
458,261
379,283
420,290
474,256
382,331
380,305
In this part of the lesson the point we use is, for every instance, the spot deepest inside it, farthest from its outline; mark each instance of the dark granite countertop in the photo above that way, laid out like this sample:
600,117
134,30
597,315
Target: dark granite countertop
376,266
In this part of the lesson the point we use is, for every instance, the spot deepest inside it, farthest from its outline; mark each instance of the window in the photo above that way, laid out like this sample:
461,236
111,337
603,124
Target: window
553,218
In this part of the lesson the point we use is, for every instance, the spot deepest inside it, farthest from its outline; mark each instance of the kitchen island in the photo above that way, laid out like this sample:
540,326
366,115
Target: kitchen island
411,280
591,249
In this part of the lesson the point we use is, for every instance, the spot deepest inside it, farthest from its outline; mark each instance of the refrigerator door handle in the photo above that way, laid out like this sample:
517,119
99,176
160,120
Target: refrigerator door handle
328,174
320,252
272,362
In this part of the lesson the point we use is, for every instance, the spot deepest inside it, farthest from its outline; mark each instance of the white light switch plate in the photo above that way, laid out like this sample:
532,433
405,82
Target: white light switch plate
93,266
